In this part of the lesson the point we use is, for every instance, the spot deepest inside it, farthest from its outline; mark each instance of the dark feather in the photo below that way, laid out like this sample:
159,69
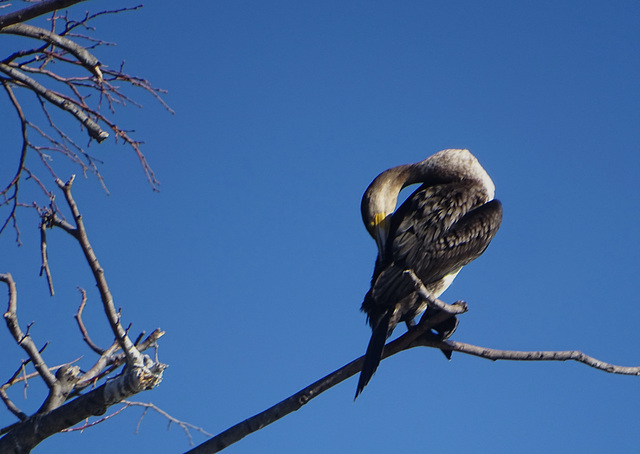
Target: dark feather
374,351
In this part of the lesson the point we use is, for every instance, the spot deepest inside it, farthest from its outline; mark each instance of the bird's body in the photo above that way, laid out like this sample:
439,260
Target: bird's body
445,224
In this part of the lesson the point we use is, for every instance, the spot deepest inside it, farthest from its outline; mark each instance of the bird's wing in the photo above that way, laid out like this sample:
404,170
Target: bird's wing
435,232
432,257
441,228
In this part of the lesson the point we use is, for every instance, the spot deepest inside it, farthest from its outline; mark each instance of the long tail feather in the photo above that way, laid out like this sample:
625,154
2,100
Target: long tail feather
374,352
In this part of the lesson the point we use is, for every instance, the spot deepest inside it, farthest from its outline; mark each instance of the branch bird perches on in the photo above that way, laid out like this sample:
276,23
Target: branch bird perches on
412,338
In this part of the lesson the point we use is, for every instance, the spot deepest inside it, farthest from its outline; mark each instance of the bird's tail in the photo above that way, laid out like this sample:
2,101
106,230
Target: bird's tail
374,351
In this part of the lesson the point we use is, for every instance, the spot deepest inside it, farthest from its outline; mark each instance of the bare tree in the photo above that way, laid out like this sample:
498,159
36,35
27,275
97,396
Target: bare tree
87,91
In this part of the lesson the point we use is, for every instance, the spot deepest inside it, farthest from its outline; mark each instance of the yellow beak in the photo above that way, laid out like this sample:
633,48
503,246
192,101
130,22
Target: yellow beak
380,225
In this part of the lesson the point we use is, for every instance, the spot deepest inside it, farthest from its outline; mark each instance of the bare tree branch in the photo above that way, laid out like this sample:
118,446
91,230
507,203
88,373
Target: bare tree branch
71,90
54,98
32,69
87,60
44,268
511,355
59,411
185,426
133,355
24,340
17,378
83,330
5,398
23,155
39,9
297,400
412,338
66,379
151,340
29,433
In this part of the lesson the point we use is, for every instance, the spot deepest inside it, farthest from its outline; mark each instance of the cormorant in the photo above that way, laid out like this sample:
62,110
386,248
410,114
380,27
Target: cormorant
445,224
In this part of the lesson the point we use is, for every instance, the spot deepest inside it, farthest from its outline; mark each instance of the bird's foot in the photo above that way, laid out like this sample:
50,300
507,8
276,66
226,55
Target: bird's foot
464,307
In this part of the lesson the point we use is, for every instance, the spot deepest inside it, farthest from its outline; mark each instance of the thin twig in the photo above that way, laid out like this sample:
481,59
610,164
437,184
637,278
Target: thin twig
72,24
44,268
513,355
184,425
24,340
5,397
23,155
83,329
95,423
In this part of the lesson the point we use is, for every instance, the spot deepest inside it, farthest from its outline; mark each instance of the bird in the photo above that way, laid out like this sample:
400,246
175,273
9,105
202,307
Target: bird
445,224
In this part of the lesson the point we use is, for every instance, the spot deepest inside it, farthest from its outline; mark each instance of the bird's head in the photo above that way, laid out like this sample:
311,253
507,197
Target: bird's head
379,202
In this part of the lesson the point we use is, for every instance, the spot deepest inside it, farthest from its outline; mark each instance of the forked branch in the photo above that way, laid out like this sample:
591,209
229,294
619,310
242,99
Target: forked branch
64,406
21,338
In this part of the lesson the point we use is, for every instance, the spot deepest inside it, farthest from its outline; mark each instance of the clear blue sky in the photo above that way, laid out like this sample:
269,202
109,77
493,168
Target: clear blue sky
253,257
